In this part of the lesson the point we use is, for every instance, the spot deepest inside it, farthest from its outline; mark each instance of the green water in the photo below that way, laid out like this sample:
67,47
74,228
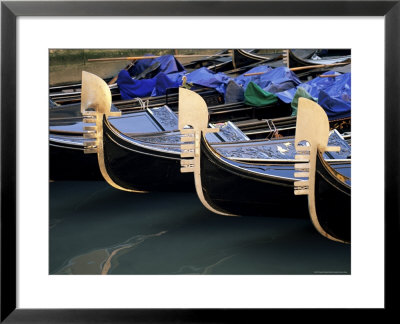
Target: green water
96,229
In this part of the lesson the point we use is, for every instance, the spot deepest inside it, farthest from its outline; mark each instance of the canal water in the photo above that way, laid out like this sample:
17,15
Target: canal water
96,229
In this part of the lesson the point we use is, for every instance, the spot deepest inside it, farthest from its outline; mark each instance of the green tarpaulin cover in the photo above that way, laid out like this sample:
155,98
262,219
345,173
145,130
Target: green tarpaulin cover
255,96
300,93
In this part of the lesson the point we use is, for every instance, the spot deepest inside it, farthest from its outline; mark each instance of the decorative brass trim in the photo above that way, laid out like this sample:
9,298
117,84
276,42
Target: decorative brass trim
193,113
96,95
312,126
285,58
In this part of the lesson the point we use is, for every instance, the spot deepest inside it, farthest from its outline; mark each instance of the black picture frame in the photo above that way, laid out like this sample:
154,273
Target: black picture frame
10,10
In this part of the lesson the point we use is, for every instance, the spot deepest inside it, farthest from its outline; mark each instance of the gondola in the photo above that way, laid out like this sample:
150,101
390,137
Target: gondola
314,60
291,57
68,94
239,59
73,110
238,187
305,63
217,62
243,58
67,133
68,161
328,190
305,57
68,120
152,161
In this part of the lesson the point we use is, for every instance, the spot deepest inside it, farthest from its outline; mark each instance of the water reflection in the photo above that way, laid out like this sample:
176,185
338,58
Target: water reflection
99,261
96,229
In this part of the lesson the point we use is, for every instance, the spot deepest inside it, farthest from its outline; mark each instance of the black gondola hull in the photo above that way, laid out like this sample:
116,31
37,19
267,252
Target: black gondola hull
68,162
233,190
63,165
332,202
136,167
242,58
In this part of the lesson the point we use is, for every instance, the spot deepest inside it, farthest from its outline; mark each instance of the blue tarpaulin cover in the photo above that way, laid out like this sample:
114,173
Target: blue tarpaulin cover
243,80
206,78
234,92
177,77
157,86
336,99
168,64
278,80
332,94
163,82
130,88
313,87
273,80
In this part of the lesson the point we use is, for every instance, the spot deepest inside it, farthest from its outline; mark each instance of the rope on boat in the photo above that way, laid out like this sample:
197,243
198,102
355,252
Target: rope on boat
143,105
272,129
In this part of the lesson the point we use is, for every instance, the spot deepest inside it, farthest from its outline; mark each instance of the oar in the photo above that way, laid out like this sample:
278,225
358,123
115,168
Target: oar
329,75
128,58
114,79
303,68
317,66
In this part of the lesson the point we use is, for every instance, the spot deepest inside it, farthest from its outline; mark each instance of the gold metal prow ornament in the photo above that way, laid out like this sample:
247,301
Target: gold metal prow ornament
193,125
312,127
95,105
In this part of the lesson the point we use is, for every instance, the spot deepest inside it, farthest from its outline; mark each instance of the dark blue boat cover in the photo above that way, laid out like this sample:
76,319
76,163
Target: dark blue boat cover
332,94
168,64
206,78
274,80
177,77
243,80
278,80
130,88
163,82
336,99
234,92
313,87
